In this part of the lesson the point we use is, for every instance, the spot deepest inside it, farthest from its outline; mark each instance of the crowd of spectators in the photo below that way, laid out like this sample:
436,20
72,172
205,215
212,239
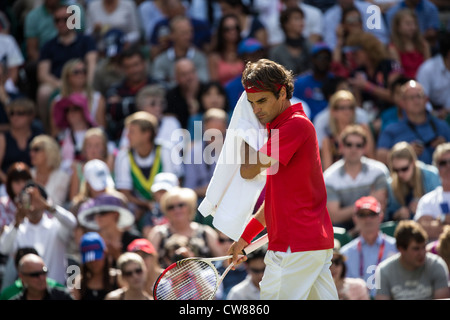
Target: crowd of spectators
113,112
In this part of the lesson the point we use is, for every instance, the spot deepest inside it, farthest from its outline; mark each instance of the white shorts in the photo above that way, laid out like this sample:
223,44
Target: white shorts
298,276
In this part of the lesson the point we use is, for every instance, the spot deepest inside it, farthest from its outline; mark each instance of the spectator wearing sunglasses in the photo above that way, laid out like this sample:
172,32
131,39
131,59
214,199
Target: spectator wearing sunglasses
134,275
348,288
353,177
33,273
410,180
433,208
180,208
364,253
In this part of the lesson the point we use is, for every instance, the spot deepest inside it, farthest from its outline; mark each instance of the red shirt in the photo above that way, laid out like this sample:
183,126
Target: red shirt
295,203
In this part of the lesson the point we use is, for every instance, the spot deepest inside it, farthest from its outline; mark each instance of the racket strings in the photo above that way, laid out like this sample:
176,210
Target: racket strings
190,280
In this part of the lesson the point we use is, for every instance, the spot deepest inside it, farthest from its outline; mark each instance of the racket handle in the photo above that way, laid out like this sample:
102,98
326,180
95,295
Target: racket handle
256,244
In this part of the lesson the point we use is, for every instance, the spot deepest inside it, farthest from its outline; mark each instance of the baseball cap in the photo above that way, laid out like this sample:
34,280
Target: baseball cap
97,174
92,247
249,45
164,181
318,47
141,244
368,203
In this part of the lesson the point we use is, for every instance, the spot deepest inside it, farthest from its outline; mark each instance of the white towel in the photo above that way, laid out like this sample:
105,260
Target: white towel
229,197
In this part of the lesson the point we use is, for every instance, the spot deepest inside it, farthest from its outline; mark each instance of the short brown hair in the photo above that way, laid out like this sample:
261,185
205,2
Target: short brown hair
268,75
407,231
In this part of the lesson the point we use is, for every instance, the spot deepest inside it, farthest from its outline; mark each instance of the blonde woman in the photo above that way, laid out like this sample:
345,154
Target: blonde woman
133,276
342,107
180,208
45,155
74,79
410,180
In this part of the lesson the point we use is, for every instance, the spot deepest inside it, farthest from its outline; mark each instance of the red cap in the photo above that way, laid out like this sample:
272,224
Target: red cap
141,245
368,203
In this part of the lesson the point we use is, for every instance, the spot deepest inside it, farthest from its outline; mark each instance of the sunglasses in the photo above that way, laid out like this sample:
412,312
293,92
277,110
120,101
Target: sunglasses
178,205
443,163
256,270
356,145
128,274
36,149
18,113
366,213
344,108
58,20
36,274
404,169
78,71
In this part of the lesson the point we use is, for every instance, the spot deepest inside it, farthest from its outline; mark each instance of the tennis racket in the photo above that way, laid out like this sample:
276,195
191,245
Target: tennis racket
195,278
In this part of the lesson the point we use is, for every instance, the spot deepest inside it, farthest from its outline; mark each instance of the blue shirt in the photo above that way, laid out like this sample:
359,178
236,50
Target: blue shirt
424,133
309,89
369,254
426,11
59,53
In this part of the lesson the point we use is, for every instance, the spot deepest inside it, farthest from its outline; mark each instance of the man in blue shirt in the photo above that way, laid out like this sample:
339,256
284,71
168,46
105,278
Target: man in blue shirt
308,86
418,127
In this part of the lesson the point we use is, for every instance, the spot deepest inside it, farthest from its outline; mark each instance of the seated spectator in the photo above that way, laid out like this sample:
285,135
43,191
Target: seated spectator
14,143
152,99
364,253
12,58
224,61
395,112
251,25
332,17
434,76
133,274
182,46
427,14
121,97
180,207
308,86
294,52
343,60
410,180
135,167
45,154
33,274
348,288
108,215
418,127
412,273
150,12
433,208
374,71
248,289
407,46
72,118
42,225
73,80
104,15
145,249
353,177
17,287
67,45
342,113
97,277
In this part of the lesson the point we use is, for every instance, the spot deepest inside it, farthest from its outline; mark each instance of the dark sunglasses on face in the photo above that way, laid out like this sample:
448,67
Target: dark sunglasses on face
366,213
356,145
443,162
36,149
36,274
403,169
78,71
59,19
178,205
18,113
127,274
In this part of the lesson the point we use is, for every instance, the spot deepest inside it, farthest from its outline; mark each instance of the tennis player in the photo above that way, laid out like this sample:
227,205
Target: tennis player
301,238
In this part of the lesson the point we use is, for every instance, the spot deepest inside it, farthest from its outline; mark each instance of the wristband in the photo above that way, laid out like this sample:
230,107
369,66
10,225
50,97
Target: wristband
253,228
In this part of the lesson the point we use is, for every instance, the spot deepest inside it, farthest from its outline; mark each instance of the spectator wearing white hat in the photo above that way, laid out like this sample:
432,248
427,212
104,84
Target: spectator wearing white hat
164,181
